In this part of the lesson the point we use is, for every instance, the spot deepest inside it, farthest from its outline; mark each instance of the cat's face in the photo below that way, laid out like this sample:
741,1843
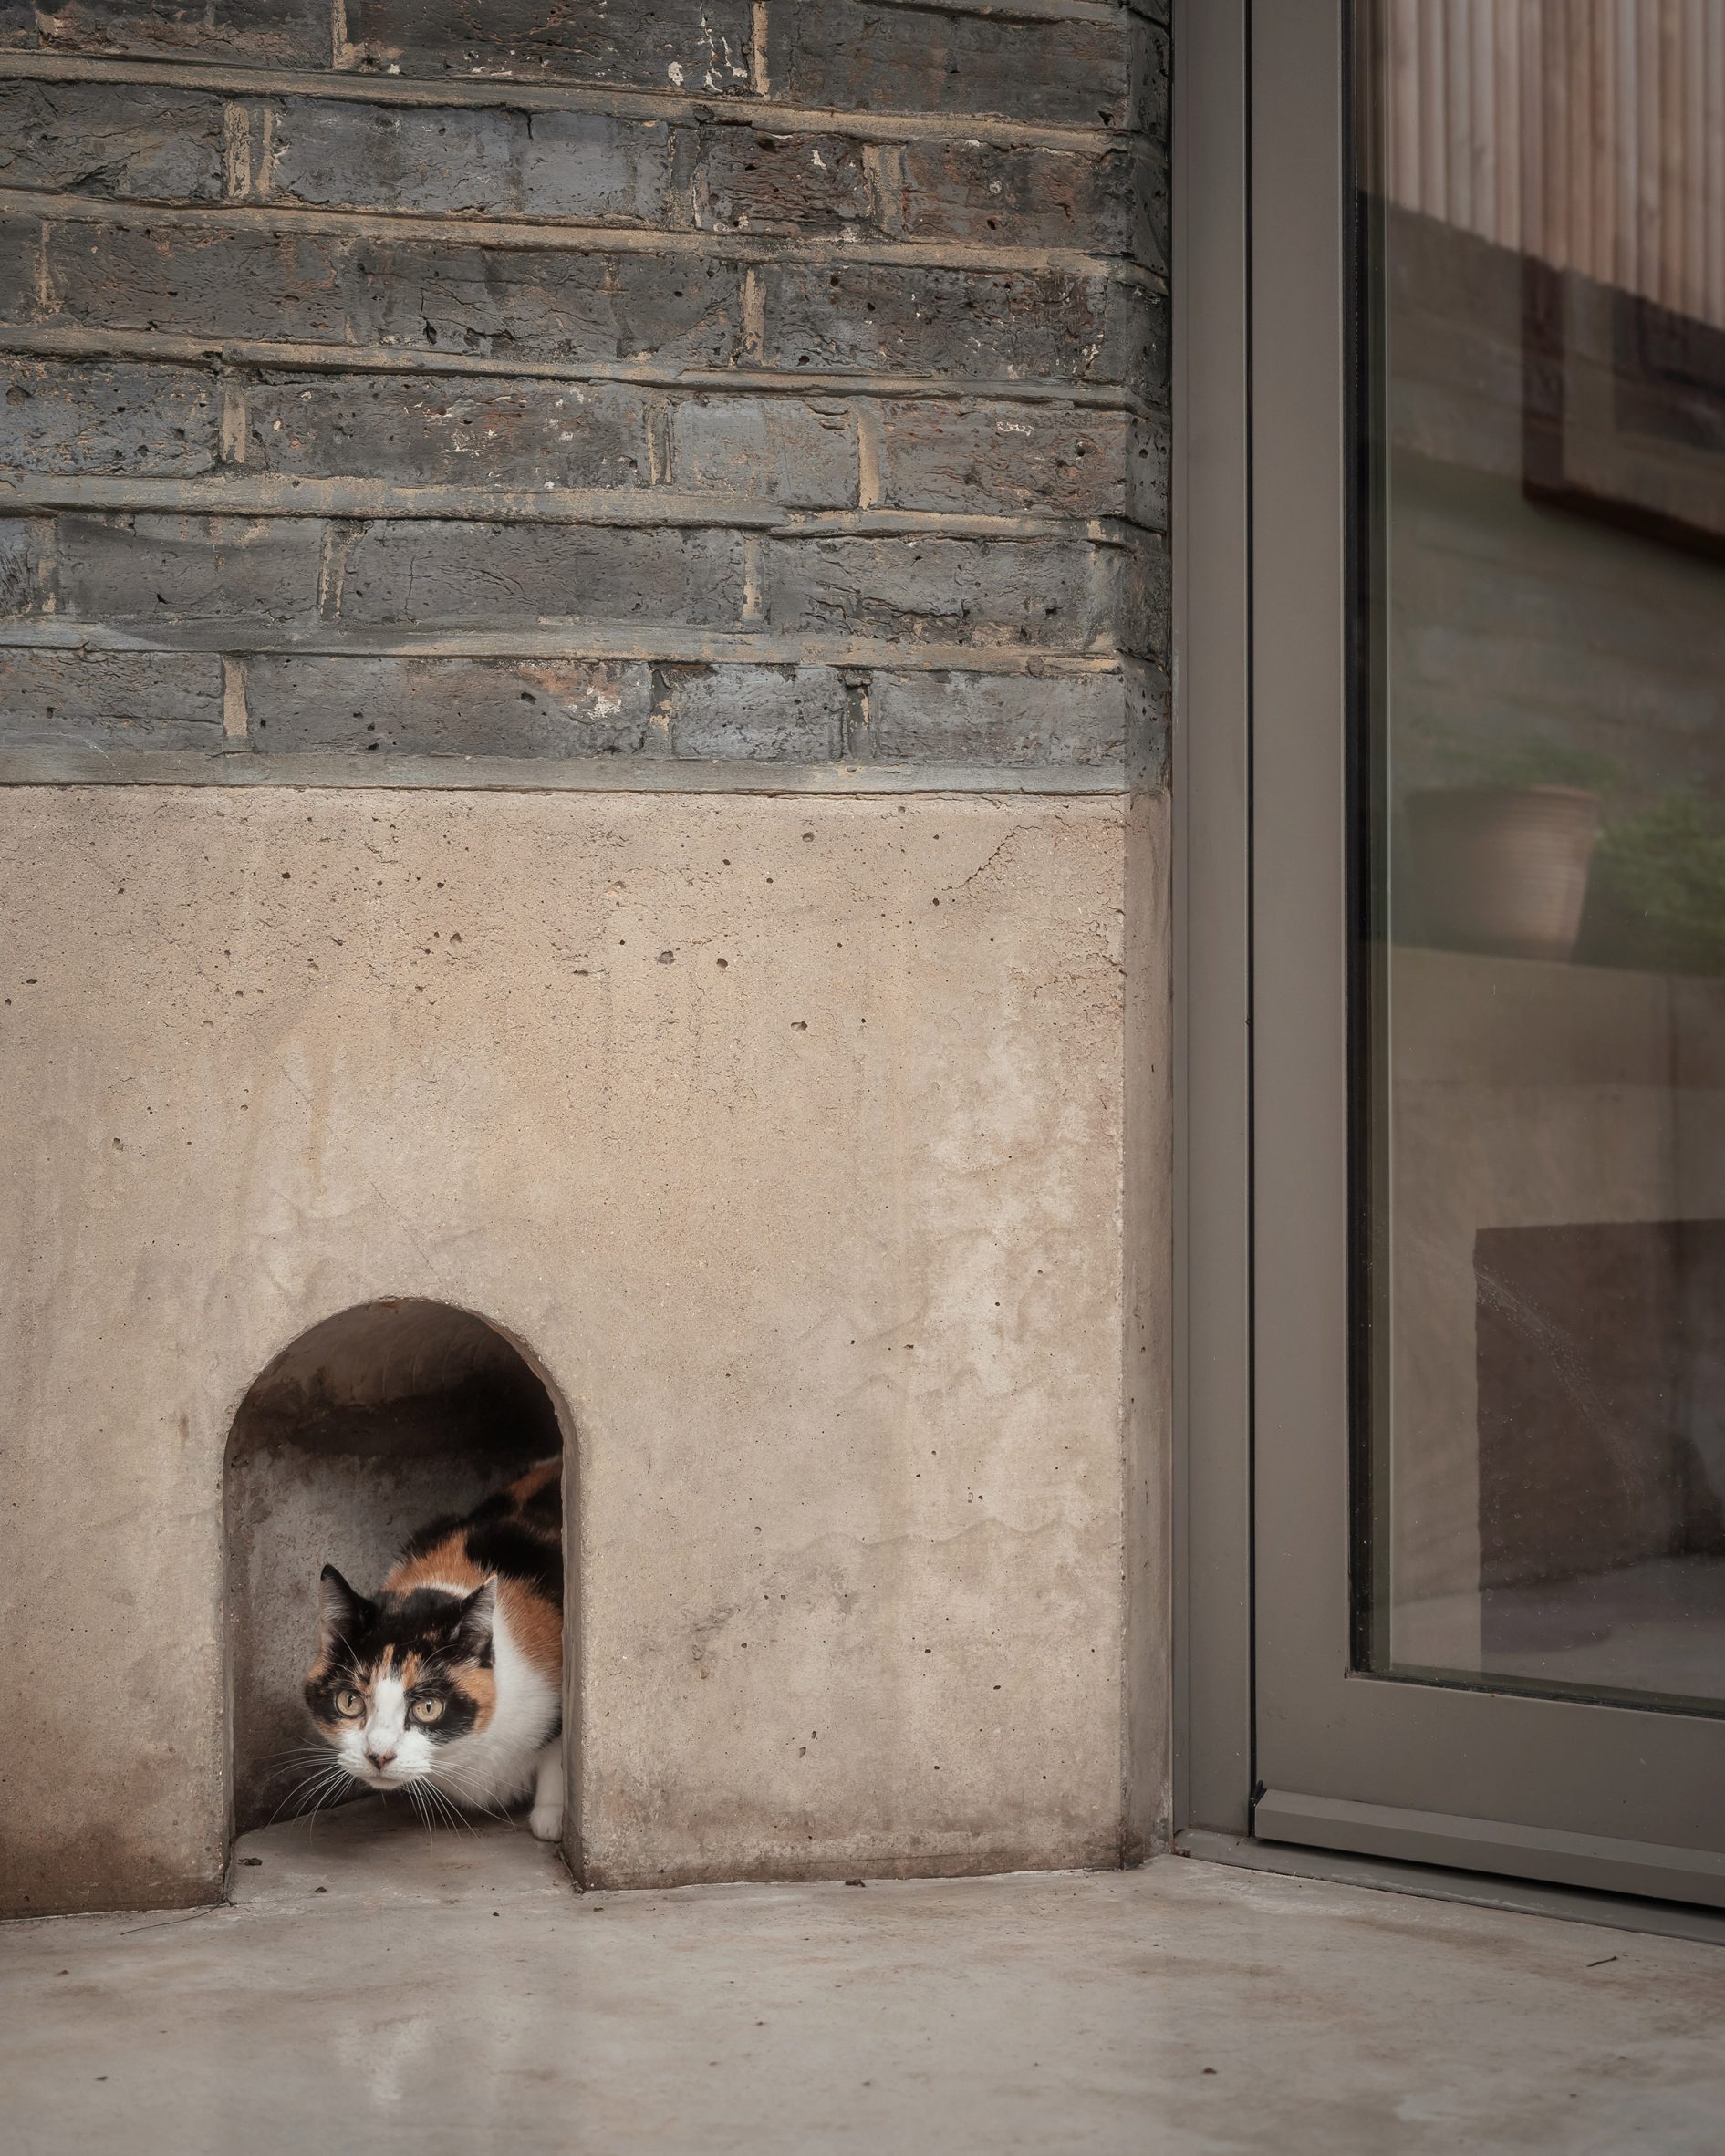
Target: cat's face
401,1683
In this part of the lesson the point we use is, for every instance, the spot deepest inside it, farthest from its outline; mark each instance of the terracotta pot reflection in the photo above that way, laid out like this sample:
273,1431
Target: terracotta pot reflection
1502,869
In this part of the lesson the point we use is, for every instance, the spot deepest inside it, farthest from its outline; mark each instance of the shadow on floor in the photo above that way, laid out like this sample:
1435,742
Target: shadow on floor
378,1852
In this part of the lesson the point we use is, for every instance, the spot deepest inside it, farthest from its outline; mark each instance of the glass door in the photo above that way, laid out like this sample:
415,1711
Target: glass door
1489,788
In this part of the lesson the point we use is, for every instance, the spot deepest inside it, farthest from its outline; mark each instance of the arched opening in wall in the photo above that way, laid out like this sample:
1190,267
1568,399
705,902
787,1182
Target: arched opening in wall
369,1425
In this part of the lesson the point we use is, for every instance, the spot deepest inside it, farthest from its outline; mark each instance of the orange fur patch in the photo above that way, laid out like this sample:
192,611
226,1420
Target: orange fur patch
528,1486
480,1687
537,1627
445,1564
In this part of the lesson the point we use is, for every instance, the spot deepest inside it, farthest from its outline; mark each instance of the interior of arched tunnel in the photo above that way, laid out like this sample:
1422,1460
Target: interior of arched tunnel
363,1429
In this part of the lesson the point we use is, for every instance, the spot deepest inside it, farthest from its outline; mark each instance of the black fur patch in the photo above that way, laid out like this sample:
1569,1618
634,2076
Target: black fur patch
460,1711
513,1551
544,1507
428,1538
427,1622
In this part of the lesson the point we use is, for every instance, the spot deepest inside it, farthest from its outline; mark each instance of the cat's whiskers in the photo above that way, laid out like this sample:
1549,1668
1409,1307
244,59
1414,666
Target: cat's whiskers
311,1755
456,1782
441,1800
315,1780
418,1802
326,1794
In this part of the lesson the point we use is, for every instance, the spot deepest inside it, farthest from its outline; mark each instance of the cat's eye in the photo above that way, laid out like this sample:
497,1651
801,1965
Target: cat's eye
427,1710
348,1704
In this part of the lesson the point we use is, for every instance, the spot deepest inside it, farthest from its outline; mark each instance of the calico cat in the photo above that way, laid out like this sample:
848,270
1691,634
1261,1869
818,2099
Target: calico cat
454,1676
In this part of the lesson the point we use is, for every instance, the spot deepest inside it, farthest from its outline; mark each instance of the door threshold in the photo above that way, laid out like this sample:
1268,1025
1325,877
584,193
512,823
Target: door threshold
1435,1882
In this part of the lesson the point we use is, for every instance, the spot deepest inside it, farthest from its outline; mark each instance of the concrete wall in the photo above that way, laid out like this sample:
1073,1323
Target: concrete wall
788,1137
583,642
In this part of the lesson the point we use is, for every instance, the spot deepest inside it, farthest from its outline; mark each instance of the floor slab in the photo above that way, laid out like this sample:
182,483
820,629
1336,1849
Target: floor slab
366,1987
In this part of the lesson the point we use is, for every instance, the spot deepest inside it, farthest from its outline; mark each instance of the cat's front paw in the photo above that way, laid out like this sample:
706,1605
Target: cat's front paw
546,1821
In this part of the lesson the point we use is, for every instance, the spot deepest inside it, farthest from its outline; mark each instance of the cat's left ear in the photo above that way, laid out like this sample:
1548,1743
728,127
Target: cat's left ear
473,1626
342,1613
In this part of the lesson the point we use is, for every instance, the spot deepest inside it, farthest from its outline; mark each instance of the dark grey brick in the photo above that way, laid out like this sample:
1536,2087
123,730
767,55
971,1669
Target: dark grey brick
448,707
788,713
541,303
320,288
1069,68
158,571
1017,719
486,576
277,33
1140,602
486,160
879,317
104,139
996,456
111,700
770,449
23,541
195,580
983,192
1147,464
108,415
934,590
1149,703
20,253
450,429
698,45
205,283
751,181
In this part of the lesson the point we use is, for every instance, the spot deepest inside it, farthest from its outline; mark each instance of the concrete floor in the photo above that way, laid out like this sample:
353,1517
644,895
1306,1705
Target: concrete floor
368,1990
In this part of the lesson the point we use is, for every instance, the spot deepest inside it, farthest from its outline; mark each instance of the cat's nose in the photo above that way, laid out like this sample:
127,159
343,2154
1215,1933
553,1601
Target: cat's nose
379,1759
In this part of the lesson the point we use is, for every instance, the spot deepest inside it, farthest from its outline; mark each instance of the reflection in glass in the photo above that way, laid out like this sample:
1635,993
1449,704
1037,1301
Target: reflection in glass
1540,976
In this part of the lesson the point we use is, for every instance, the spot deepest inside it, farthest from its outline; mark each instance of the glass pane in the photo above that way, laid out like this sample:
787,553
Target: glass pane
1540,727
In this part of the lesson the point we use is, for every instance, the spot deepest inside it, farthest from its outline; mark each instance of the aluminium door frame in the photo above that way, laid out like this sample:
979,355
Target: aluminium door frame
1537,1788
1211,508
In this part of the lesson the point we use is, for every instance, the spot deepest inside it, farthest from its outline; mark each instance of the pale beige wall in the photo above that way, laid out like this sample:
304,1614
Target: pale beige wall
788,1135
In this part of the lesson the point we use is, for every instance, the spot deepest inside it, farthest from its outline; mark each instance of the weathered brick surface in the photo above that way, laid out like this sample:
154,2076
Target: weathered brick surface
493,575
774,449
484,161
1064,63
1147,464
744,406
267,33
547,708
437,296
111,700
1115,203
785,714
1015,719
111,140
429,430
990,454
1040,593
160,572
448,707
884,318
642,44
21,581
1141,606
496,161
109,416
747,180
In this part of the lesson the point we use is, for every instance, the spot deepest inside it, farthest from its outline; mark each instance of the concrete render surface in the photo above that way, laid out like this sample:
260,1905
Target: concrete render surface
368,1988
788,1139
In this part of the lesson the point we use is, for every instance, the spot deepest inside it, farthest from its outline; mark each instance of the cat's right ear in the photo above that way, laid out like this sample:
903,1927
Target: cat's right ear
342,1613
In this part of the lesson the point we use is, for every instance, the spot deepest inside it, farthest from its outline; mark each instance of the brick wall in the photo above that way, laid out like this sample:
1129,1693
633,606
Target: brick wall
760,381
